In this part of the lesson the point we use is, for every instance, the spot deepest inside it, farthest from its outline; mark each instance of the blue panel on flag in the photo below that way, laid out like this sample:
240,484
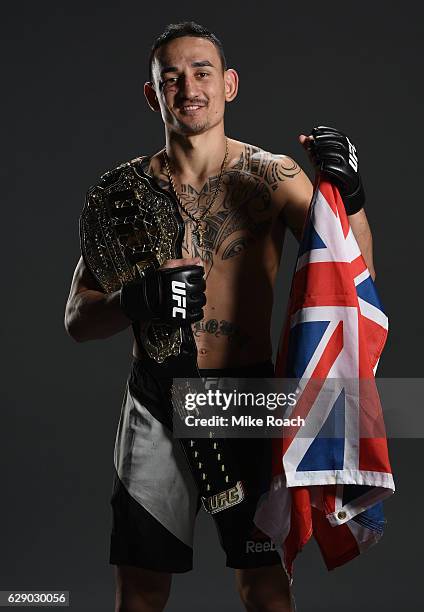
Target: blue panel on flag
303,341
310,240
323,454
327,450
334,425
366,291
372,518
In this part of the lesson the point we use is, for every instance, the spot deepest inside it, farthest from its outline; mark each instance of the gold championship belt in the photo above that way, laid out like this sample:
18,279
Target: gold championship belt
129,226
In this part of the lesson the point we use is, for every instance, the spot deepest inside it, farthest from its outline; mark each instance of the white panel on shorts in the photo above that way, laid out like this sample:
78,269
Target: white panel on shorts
154,470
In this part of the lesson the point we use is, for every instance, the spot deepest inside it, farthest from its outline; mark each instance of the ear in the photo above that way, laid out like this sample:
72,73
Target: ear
150,95
231,80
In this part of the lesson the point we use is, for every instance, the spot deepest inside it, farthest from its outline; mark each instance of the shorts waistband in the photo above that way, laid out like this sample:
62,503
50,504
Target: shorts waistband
261,369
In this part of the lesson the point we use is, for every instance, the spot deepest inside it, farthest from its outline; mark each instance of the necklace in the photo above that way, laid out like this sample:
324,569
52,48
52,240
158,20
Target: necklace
200,229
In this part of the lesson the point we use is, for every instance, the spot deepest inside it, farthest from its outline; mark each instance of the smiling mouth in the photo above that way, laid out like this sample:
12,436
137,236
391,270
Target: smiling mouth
187,108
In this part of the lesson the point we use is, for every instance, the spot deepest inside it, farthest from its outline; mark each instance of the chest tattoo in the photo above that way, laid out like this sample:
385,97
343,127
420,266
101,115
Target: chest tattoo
242,213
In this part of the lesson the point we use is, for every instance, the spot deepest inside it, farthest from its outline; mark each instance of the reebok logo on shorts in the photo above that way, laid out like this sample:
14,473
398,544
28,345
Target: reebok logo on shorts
258,547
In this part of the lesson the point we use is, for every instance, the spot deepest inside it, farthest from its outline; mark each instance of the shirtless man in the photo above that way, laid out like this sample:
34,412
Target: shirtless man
255,195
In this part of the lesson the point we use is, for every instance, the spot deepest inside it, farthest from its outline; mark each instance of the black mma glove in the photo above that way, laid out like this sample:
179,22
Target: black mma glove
335,156
173,295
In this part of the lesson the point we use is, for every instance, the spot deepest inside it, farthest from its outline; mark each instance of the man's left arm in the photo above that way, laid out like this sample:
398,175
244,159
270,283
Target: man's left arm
296,194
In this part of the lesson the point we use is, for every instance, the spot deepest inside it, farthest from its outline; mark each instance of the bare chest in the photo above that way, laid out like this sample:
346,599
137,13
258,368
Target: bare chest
225,229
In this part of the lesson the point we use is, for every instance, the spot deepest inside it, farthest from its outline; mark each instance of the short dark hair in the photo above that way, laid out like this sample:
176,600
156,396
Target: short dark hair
185,28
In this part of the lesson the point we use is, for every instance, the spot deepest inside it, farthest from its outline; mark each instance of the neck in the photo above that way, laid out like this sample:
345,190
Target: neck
196,156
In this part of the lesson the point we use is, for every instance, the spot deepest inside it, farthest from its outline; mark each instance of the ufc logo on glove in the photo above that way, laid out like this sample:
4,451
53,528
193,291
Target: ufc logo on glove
353,158
179,295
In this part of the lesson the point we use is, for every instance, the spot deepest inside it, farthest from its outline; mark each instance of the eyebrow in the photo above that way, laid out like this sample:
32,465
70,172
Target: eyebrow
199,64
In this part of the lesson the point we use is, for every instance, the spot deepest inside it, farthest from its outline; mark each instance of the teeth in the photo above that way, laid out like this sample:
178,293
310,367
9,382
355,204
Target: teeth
191,107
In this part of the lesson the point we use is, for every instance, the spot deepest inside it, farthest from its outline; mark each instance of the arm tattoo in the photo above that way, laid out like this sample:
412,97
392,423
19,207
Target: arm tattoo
266,166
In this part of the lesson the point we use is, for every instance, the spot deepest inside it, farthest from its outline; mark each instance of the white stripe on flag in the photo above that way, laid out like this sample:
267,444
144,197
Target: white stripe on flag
374,314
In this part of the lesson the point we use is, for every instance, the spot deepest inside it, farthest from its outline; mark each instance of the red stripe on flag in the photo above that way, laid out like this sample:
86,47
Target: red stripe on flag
300,525
327,191
337,544
358,266
323,284
372,340
374,455
334,200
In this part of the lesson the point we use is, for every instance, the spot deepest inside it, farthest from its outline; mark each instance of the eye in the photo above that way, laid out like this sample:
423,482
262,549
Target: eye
202,74
168,82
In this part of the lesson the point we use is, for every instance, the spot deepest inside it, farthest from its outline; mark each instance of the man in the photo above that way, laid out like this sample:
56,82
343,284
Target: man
236,201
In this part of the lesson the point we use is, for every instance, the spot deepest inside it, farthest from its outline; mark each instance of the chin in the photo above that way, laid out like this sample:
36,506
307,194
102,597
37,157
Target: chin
195,128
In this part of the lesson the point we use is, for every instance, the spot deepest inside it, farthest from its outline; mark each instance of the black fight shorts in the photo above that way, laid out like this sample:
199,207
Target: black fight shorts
155,499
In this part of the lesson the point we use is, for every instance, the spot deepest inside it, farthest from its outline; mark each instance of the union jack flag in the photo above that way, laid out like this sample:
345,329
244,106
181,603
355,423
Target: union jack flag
330,475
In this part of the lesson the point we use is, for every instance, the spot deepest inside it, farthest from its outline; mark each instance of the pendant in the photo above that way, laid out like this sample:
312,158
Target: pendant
199,232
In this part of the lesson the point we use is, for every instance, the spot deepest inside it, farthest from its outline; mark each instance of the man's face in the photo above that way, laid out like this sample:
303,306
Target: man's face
190,84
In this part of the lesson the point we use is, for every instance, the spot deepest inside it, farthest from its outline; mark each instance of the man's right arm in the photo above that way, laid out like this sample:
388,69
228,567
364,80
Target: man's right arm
90,313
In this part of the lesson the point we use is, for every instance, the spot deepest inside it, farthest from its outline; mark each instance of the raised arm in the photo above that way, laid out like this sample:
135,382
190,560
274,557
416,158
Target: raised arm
295,195
332,153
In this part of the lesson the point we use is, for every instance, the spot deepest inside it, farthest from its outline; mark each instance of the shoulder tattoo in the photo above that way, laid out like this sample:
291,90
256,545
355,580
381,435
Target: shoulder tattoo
272,169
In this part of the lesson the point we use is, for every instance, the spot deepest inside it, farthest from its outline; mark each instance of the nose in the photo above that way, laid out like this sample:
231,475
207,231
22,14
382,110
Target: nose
189,86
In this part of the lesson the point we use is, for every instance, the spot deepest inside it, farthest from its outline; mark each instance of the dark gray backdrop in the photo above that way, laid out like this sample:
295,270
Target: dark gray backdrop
73,107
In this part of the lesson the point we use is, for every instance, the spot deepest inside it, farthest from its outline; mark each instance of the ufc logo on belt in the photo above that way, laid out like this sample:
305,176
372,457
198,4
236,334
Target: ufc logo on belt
353,158
179,295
